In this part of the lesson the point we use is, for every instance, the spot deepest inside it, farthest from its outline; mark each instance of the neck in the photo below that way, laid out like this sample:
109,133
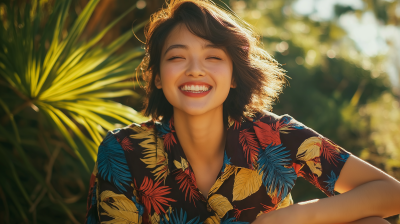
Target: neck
202,137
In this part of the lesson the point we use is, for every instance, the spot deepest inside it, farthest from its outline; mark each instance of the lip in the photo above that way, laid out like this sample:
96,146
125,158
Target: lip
190,94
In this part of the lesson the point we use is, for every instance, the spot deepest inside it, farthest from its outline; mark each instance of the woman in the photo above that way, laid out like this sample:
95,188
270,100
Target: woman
212,152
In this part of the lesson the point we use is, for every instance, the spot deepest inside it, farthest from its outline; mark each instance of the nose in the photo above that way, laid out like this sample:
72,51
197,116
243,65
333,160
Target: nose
195,68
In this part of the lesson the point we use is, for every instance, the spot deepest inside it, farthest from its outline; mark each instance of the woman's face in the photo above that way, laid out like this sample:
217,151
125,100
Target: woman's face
195,75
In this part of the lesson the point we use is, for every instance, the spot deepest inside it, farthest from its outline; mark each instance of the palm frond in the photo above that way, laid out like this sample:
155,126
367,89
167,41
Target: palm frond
70,84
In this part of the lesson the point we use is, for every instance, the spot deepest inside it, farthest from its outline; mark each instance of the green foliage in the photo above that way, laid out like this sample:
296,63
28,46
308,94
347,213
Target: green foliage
331,90
56,106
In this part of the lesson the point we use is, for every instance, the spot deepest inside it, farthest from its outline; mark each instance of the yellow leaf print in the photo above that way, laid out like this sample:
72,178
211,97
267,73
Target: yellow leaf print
155,156
229,170
315,167
122,210
309,149
212,220
219,204
284,129
181,165
247,182
285,202
155,218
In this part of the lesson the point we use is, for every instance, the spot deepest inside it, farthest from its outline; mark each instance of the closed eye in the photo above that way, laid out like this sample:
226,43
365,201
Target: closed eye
217,58
175,57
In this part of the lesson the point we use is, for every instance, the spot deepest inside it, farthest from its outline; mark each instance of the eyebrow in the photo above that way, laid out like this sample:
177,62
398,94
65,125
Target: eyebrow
186,47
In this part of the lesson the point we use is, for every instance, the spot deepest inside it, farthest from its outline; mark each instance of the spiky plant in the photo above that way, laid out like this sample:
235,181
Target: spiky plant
56,106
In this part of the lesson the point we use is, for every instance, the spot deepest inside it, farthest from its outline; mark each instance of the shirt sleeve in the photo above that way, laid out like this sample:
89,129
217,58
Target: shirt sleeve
315,157
112,198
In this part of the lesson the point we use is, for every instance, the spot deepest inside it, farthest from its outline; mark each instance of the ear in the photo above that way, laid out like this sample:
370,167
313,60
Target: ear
157,81
233,83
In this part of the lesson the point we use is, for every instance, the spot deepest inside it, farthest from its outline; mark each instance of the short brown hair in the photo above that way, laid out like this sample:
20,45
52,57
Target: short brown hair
258,76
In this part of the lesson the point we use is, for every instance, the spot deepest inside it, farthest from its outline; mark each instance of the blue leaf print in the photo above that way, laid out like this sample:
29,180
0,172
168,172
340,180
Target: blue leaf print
331,182
227,161
163,128
297,126
94,194
271,161
344,157
91,219
112,162
139,207
286,119
228,220
175,218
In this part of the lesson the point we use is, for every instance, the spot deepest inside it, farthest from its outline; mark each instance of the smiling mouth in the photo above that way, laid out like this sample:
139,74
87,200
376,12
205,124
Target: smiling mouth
195,88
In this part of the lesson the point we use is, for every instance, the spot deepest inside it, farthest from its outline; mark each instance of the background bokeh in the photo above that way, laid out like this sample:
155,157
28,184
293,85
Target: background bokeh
67,76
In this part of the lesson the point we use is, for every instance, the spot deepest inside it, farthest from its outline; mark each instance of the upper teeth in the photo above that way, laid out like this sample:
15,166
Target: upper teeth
194,88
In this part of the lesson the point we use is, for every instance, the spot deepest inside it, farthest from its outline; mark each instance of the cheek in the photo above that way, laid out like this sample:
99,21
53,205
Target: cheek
223,73
168,73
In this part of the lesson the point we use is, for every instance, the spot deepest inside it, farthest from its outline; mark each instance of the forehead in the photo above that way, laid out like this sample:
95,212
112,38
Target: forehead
181,35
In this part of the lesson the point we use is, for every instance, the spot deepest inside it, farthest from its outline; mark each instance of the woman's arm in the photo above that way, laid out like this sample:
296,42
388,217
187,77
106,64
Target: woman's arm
366,192
369,220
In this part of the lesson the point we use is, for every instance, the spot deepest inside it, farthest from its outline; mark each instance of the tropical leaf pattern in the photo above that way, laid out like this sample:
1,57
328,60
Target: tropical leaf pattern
154,155
187,183
143,176
247,182
250,145
180,218
112,164
220,204
152,195
275,175
119,208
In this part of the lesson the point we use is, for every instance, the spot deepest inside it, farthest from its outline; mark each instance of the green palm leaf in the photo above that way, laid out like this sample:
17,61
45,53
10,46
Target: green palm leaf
69,84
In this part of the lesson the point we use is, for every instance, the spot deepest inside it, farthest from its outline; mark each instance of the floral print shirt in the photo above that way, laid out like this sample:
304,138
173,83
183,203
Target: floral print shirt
142,174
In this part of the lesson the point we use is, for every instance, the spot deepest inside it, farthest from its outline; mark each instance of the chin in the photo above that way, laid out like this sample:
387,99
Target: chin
199,110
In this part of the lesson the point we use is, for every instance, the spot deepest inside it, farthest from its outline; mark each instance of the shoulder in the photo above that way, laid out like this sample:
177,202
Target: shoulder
120,152
273,120
271,130
124,138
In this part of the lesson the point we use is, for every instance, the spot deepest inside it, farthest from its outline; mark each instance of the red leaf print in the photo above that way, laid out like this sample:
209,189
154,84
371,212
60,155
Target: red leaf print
188,185
267,134
296,168
152,196
269,208
301,173
126,144
313,179
330,151
171,123
250,145
169,138
236,124
169,141
237,212
89,198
